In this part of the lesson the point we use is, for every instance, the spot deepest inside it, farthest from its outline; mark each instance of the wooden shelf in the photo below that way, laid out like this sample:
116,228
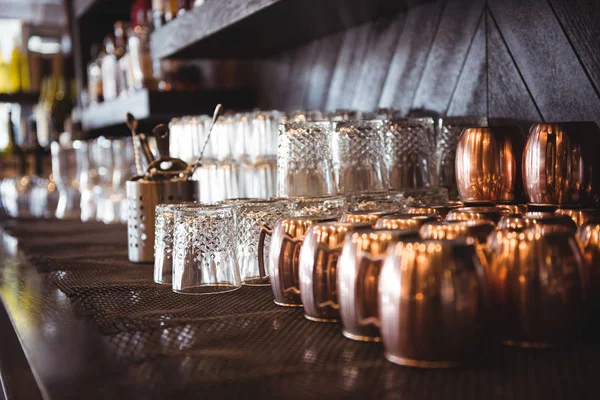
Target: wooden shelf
20,98
161,106
117,8
250,28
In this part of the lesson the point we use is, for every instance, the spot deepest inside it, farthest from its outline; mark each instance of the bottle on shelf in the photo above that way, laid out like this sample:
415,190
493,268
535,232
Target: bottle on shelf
171,8
122,56
184,6
94,77
13,153
36,155
14,68
4,76
158,13
109,68
138,42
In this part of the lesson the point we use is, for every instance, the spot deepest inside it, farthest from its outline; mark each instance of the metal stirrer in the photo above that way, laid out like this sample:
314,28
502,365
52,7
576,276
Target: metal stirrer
132,124
218,110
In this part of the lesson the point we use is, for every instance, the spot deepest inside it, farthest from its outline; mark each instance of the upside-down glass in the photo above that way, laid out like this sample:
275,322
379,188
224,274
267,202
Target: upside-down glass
318,206
204,251
382,200
254,221
304,165
409,153
163,243
357,149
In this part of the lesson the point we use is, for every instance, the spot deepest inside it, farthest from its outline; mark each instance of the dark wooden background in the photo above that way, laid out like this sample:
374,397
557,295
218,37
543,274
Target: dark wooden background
532,60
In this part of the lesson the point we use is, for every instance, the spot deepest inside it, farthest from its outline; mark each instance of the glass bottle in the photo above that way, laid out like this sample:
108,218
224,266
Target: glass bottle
158,13
94,77
109,70
171,7
138,41
14,69
4,80
13,152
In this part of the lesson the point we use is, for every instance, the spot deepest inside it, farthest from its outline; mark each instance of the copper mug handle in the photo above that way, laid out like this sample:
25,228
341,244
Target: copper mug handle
264,231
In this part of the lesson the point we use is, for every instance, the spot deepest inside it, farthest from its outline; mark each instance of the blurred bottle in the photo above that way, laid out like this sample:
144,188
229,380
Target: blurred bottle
12,153
184,6
4,80
138,41
158,13
94,76
109,68
171,8
122,56
36,155
14,68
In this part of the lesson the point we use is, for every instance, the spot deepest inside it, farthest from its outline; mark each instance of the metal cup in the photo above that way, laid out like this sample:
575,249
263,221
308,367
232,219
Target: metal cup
512,208
286,241
474,213
560,164
472,231
544,222
405,221
487,165
580,216
318,269
442,211
369,217
538,287
358,280
431,301
589,237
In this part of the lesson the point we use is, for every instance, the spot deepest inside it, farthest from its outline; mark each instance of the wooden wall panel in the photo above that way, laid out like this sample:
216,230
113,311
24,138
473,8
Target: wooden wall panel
531,60
469,97
446,58
347,68
410,55
546,59
508,95
322,71
376,63
580,19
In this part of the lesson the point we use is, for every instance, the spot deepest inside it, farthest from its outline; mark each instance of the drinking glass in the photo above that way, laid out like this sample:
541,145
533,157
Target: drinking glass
409,153
255,219
163,243
204,251
304,160
318,206
64,170
357,149
383,200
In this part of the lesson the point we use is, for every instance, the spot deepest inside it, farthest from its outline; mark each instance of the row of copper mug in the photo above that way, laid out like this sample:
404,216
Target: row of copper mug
185,231
435,292
555,165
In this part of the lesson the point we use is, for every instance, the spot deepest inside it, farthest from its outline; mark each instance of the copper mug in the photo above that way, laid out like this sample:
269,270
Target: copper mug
560,164
404,221
492,214
580,216
370,217
318,268
284,252
358,271
538,287
488,165
431,299
589,237
472,231
545,222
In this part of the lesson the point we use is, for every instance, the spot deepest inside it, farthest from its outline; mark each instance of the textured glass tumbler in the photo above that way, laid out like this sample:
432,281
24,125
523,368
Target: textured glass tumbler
254,221
163,243
304,160
204,251
318,206
389,201
357,151
449,130
409,153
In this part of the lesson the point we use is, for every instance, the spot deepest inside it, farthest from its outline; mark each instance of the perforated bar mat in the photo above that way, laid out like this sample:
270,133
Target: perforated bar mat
241,345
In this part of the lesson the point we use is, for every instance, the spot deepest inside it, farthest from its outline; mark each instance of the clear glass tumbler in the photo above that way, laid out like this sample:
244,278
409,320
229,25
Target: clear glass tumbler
358,161
204,250
410,153
254,220
304,165
163,243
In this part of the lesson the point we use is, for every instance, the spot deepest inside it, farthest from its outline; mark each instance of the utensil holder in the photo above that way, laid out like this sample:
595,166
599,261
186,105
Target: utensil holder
143,197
